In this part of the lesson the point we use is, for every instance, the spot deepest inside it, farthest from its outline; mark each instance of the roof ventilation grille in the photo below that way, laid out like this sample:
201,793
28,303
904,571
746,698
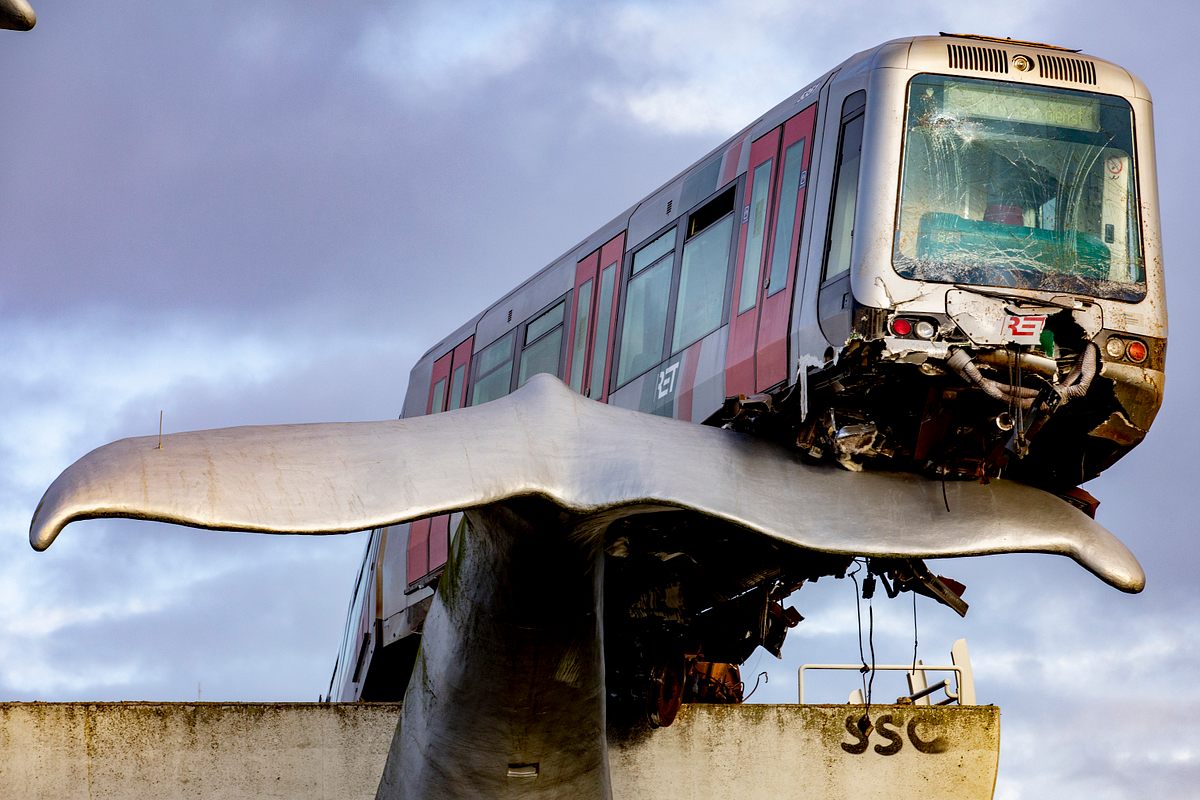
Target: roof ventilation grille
980,59
1061,68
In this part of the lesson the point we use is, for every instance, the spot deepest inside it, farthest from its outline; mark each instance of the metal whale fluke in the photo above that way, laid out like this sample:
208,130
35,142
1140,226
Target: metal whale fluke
546,441
17,15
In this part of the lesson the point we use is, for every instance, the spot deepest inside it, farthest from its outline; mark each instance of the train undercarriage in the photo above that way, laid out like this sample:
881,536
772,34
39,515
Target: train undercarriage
688,599
1053,414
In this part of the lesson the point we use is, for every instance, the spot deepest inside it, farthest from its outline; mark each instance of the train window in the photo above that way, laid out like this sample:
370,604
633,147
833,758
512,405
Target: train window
608,283
438,398
583,315
845,199
493,370
702,280
543,344
653,251
1014,185
785,223
645,325
752,254
456,386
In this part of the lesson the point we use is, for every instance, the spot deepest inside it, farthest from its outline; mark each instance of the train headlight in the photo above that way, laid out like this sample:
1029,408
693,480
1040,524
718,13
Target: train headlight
1114,347
1136,351
924,329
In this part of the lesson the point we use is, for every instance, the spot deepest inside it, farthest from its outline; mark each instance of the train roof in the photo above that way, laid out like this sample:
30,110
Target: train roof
912,52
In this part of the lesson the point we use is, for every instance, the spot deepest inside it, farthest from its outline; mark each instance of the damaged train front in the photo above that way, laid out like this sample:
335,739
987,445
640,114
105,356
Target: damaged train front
1018,325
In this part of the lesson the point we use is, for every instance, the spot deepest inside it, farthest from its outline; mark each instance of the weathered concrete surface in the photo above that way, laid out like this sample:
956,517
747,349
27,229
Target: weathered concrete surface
73,751
754,752
115,751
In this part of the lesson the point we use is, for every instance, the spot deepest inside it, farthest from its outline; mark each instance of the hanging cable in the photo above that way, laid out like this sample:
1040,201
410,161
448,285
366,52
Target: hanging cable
862,656
915,632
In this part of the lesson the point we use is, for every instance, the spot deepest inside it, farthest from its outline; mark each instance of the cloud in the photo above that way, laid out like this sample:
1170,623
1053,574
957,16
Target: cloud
423,48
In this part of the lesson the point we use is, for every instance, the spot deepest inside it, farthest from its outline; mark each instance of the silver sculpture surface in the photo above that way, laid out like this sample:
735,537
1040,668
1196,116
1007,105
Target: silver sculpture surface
546,441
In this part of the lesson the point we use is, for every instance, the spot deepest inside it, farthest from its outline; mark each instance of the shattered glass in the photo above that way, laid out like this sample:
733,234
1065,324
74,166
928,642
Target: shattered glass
1020,186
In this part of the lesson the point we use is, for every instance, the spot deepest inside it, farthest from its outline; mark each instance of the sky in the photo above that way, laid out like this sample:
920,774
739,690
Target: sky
265,212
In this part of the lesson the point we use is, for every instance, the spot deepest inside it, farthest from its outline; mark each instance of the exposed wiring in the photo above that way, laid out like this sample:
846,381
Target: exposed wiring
762,676
866,670
915,632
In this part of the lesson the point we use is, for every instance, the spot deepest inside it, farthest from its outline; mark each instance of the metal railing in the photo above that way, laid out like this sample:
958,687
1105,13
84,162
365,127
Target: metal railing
919,689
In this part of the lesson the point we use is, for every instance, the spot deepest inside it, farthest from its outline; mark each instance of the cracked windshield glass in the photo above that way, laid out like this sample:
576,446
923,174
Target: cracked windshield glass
1022,186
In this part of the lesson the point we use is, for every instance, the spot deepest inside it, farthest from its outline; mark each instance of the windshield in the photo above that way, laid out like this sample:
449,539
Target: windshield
1012,185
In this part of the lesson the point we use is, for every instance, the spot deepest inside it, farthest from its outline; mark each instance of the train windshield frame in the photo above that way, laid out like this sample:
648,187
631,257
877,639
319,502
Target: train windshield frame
1017,185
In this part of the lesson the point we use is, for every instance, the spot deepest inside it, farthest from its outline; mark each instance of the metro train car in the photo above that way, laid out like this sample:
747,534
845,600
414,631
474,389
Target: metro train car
942,256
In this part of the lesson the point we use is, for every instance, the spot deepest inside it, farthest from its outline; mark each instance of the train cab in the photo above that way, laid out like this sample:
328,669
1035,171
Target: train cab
987,297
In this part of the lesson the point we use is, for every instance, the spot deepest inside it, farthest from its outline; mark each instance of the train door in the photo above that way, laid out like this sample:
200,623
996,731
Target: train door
593,320
429,539
765,277
779,278
747,286
833,299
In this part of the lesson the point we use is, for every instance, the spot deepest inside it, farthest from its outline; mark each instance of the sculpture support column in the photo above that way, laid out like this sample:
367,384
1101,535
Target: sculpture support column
507,697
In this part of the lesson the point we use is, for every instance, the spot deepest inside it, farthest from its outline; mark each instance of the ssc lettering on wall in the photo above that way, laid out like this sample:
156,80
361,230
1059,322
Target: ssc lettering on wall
892,730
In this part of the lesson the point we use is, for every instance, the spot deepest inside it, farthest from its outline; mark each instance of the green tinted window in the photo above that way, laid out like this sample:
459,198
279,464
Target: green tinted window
583,312
456,386
841,228
439,396
544,322
654,251
608,282
645,323
785,222
493,367
541,356
752,254
702,280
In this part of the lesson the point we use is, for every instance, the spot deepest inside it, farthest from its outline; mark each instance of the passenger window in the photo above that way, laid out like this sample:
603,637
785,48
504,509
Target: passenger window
841,225
456,386
645,325
608,283
785,222
583,314
493,373
702,280
654,251
543,344
752,255
439,397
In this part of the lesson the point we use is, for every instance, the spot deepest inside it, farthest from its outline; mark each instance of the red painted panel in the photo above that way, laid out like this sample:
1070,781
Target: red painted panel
441,371
439,541
612,252
585,270
771,360
418,550
739,354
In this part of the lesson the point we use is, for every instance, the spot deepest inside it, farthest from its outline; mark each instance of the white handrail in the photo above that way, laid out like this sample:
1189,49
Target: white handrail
964,692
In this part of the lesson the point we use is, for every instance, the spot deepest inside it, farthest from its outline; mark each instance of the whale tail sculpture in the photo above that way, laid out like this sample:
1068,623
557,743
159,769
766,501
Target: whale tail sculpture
603,551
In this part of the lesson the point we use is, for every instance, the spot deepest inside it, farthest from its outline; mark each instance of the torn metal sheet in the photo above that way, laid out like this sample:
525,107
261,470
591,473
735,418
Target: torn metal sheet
545,440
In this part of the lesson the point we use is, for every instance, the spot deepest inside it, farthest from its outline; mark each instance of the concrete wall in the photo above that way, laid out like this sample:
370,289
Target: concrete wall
73,751
78,751
765,752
